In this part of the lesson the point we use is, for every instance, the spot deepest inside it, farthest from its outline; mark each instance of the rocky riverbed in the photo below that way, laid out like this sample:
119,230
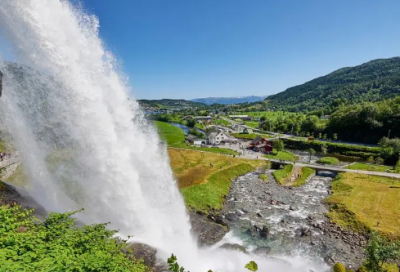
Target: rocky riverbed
271,220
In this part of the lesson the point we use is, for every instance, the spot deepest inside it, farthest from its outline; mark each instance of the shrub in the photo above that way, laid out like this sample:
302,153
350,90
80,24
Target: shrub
57,244
362,269
328,160
339,267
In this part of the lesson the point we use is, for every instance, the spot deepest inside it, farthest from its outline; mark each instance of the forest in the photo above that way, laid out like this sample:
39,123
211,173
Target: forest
372,81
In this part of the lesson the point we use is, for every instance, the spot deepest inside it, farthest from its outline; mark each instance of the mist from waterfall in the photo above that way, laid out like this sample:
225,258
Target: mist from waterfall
84,143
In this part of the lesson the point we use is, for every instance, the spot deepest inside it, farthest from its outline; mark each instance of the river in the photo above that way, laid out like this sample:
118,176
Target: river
277,221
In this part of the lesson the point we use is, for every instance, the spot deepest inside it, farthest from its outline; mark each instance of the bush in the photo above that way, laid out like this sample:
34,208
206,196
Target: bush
57,244
362,269
339,267
329,160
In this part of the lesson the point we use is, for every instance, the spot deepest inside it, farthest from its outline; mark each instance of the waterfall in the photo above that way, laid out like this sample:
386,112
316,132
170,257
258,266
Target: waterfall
85,144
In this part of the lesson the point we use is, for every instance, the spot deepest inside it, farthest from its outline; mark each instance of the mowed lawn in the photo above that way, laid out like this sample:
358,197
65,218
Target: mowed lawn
373,200
203,186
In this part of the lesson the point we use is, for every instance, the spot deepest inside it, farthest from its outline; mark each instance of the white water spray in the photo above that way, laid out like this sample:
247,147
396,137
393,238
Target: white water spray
85,144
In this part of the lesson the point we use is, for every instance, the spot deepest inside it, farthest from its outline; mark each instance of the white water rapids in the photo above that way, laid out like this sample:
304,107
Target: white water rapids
84,144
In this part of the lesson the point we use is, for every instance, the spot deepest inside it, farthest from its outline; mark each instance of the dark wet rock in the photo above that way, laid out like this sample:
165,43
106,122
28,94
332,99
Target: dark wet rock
264,232
302,232
208,231
232,217
262,251
259,215
11,195
142,252
329,260
236,247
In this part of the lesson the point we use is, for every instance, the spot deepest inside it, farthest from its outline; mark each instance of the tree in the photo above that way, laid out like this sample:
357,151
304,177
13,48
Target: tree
312,152
263,118
320,135
335,137
324,149
379,251
325,136
191,123
279,145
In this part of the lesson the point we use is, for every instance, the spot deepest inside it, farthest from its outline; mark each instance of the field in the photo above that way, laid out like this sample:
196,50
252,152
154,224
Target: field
270,115
250,136
361,202
174,137
203,186
370,167
281,155
222,122
253,124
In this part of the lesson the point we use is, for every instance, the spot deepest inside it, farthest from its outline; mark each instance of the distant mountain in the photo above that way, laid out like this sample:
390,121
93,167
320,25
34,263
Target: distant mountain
229,100
372,81
169,103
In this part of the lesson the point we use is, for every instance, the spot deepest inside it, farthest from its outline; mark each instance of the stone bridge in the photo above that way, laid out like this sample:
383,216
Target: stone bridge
325,168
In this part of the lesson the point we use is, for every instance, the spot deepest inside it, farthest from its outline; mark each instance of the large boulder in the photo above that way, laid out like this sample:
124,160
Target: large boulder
207,231
143,252
262,251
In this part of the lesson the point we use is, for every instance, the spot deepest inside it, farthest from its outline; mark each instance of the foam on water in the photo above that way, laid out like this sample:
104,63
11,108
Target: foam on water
84,144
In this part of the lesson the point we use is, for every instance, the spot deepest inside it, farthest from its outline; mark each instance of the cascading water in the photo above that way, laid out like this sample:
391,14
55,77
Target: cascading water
83,143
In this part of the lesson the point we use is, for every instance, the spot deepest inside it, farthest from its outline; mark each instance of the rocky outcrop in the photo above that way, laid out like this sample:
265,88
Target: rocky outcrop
148,255
236,247
10,195
207,230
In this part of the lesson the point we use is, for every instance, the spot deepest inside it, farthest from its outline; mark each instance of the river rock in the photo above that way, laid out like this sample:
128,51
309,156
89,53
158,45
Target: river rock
233,217
142,252
207,231
303,232
236,247
262,251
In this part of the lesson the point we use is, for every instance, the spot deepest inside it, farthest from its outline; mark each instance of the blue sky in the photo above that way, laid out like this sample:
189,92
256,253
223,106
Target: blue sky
200,48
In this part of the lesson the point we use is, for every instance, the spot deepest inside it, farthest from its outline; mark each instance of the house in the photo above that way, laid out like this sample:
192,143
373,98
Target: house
260,144
203,118
218,137
191,139
241,117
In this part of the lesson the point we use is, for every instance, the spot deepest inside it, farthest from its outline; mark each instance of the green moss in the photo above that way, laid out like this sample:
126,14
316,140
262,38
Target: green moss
264,177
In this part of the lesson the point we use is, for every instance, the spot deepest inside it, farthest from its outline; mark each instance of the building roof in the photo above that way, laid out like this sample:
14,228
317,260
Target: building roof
190,137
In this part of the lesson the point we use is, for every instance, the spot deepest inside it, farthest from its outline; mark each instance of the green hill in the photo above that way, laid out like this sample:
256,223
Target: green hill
170,103
372,81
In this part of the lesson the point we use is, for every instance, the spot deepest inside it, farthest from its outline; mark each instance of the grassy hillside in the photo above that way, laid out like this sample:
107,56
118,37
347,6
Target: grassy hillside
169,103
372,81
203,186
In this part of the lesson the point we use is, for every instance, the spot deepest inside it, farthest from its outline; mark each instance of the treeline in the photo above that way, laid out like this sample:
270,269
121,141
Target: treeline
364,123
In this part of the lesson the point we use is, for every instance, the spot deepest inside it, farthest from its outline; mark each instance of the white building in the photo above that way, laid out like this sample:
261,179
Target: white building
215,138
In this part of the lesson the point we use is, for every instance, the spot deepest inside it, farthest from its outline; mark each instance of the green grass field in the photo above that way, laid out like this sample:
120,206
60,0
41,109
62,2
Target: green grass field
250,136
306,172
329,161
282,175
174,137
370,167
253,124
271,115
281,155
362,202
222,122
